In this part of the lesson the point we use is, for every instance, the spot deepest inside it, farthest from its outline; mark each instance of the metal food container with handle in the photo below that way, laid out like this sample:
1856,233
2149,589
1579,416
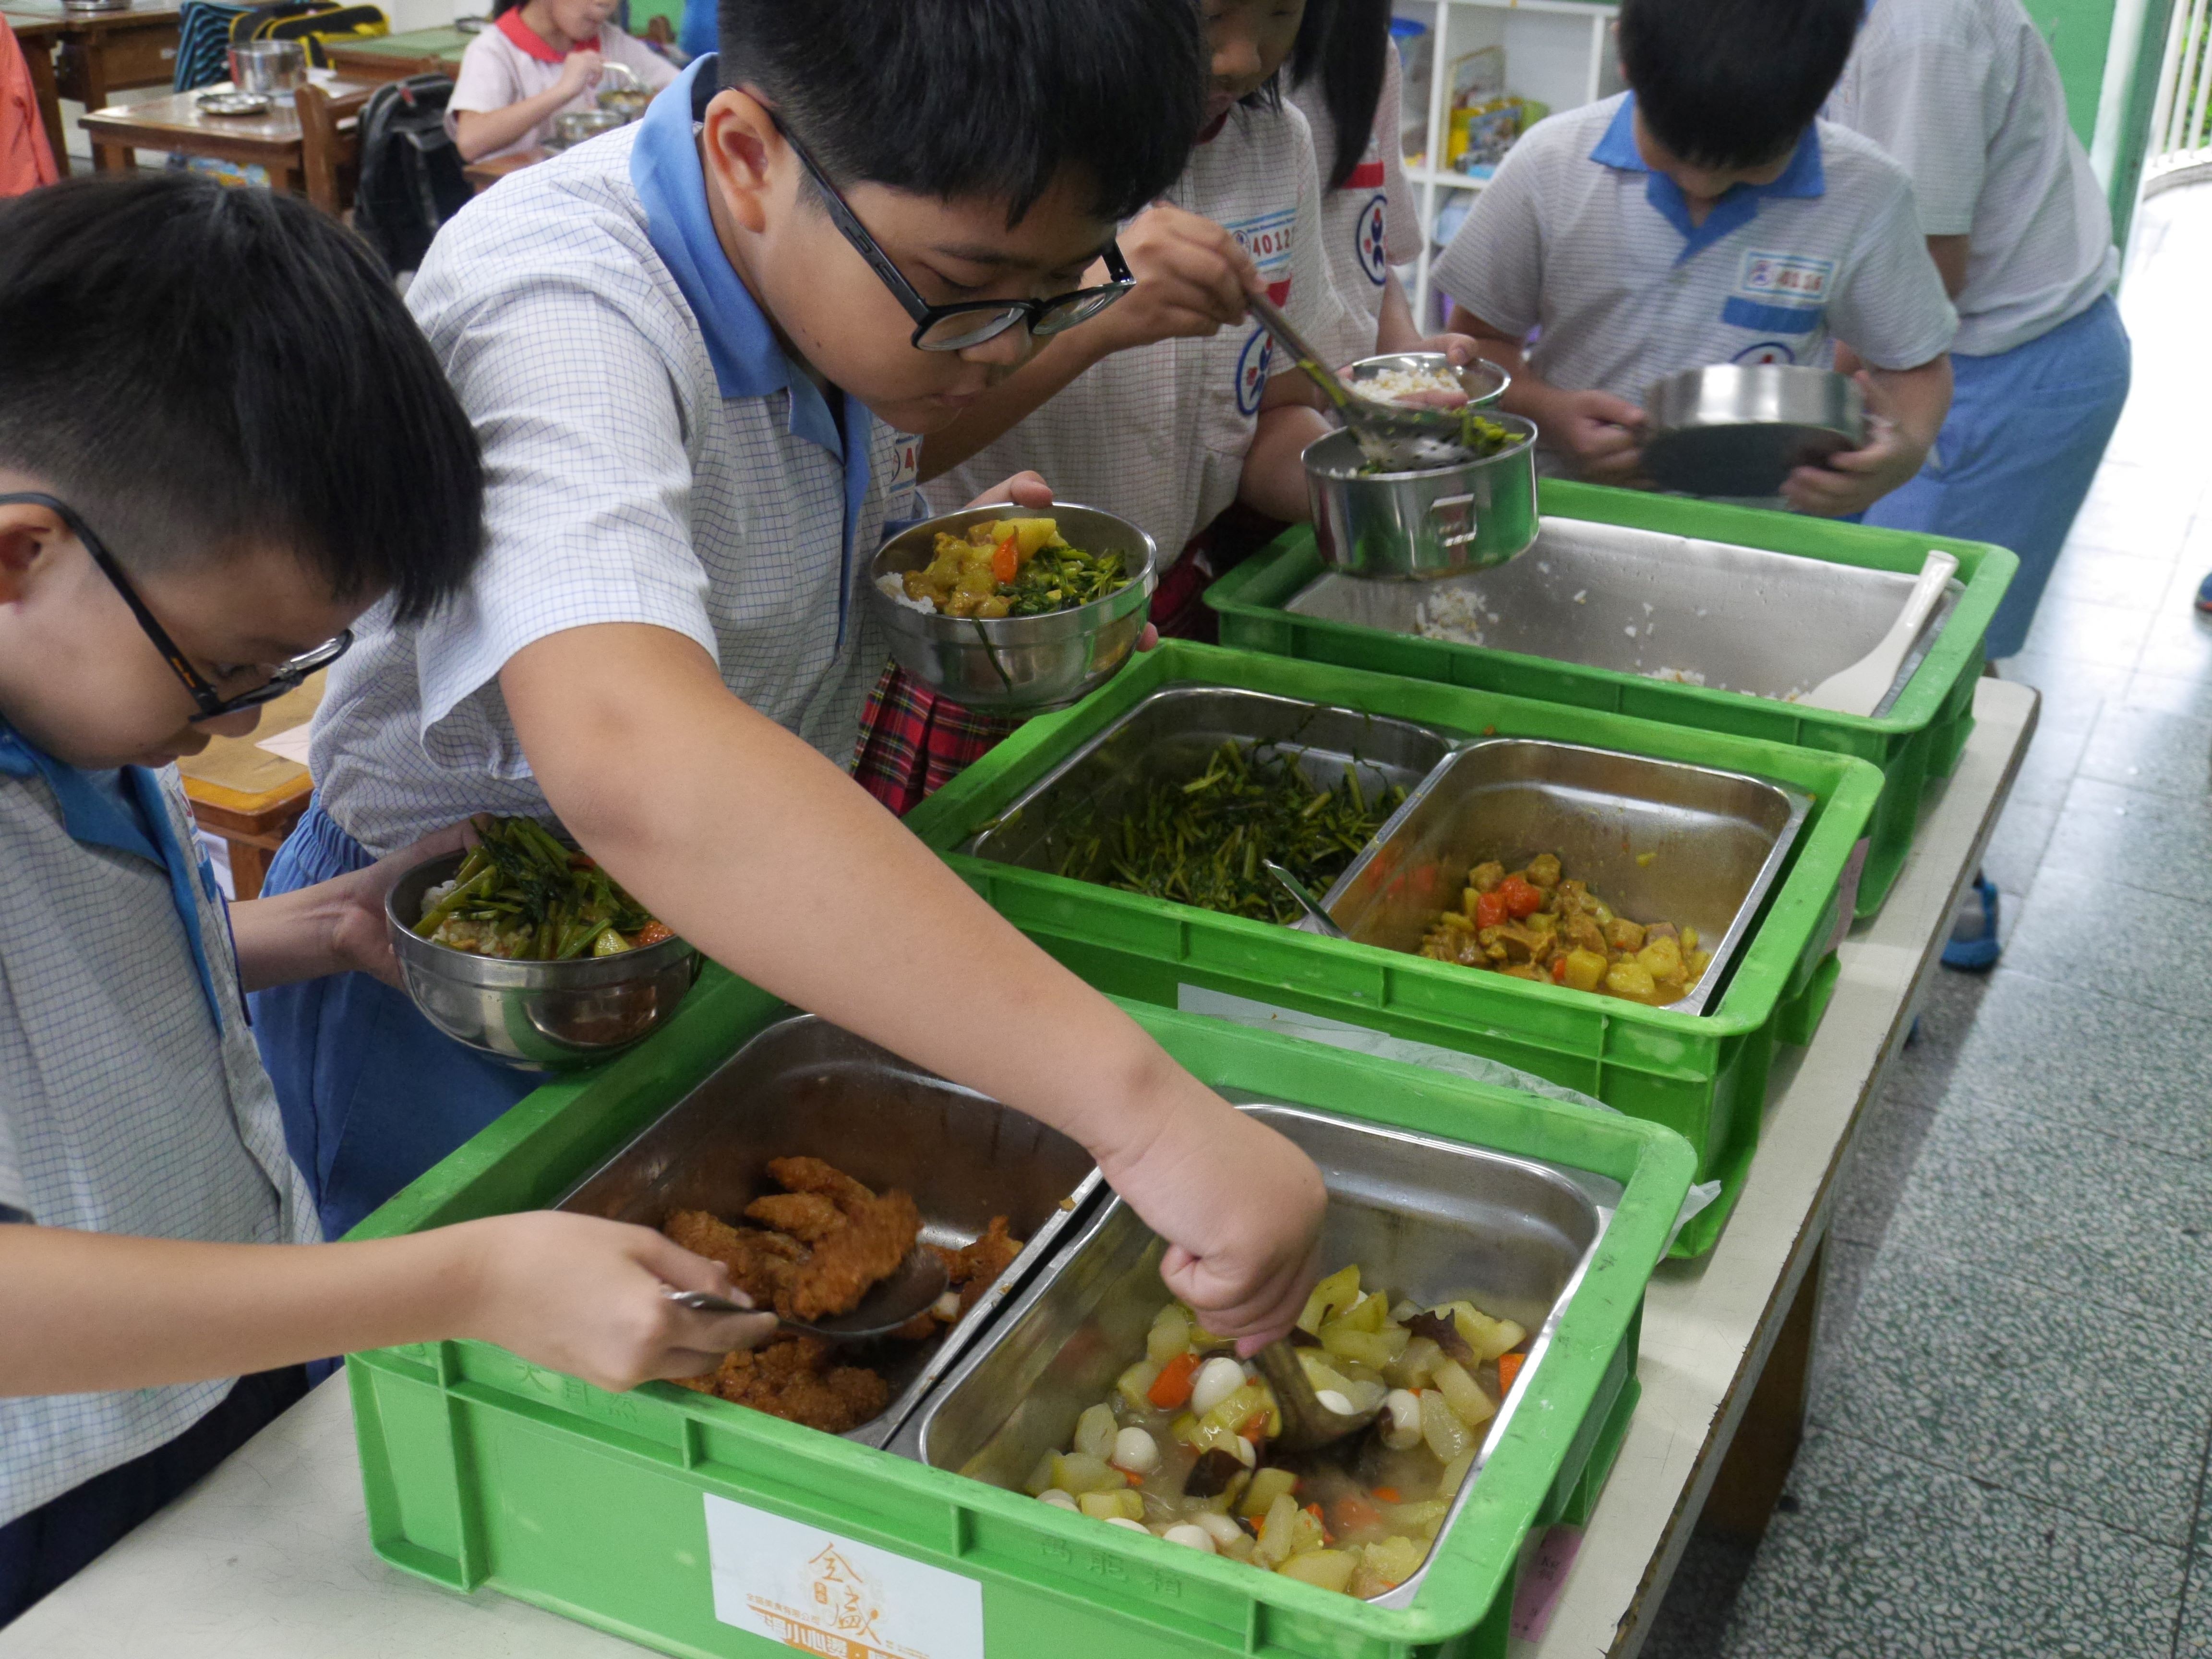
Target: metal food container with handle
805,1087
277,69
1426,1219
1483,381
1439,522
1657,840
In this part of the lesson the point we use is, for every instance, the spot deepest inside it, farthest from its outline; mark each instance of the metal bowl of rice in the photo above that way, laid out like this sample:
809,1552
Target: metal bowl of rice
1391,378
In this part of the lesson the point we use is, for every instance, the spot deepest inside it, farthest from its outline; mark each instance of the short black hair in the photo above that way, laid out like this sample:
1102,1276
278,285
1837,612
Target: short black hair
1734,83
981,98
195,370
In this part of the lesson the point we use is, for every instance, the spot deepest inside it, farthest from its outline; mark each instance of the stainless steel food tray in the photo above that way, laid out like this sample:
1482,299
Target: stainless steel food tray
1642,602
805,1086
1170,735
1433,1219
1657,840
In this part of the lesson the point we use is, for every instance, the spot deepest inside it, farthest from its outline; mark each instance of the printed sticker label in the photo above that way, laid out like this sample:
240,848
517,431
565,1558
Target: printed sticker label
1267,239
1788,277
822,1594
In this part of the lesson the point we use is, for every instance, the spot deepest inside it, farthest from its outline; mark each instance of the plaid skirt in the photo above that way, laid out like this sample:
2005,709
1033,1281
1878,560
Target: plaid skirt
913,742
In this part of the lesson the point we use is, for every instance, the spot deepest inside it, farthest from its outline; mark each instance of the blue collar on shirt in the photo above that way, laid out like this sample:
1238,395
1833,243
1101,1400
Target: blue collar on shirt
93,819
664,170
1737,207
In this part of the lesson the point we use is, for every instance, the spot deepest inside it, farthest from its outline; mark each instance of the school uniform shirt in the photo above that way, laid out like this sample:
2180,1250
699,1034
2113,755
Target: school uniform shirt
651,456
1369,222
510,61
131,1099
1576,236
1158,433
1965,96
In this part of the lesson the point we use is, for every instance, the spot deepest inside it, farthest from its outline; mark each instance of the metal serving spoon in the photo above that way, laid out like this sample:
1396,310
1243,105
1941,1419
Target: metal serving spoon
911,1287
1307,902
1307,1423
1400,436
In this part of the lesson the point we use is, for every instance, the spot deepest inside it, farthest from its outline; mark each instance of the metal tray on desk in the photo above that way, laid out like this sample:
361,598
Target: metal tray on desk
1656,839
1170,736
1643,602
1431,1219
804,1086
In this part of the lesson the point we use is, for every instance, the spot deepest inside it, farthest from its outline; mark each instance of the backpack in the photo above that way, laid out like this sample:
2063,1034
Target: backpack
411,180
204,42
311,22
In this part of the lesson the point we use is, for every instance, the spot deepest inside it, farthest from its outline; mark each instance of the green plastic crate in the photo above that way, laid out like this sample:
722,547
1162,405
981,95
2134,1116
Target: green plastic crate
482,1469
1703,1075
1916,743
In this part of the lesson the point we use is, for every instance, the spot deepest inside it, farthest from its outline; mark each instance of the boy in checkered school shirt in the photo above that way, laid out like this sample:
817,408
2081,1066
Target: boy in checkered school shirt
221,439
1705,216
695,351
1176,404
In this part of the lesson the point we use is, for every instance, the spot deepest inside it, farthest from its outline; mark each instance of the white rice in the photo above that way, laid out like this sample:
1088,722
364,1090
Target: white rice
1454,614
1391,384
892,585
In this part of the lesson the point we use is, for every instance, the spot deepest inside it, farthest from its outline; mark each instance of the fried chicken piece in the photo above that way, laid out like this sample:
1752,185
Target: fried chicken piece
877,1234
790,1377
761,1264
975,1267
809,1217
811,1174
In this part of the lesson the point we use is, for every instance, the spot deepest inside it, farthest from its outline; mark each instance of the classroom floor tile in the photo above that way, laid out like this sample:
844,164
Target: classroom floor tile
2011,1394
1885,1558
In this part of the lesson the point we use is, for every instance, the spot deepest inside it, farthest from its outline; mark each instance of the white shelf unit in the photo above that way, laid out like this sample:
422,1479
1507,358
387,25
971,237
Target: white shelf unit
1559,52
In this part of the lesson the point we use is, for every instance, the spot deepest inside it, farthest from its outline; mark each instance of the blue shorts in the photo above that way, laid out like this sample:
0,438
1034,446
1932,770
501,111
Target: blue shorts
2018,451
373,1094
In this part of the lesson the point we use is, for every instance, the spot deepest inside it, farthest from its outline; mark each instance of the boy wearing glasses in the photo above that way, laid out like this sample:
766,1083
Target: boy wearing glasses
698,353
190,521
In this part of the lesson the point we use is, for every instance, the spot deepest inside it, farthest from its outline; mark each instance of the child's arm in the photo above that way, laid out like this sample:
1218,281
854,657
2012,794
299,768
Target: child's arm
1599,433
1908,406
1192,278
1273,481
85,1311
336,926
480,132
772,860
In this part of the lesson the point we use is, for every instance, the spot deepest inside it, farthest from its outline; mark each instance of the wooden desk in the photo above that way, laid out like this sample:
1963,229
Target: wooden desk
90,56
396,56
483,174
248,798
176,124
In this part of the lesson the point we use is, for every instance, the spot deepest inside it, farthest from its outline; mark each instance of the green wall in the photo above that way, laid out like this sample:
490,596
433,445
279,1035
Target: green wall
2079,32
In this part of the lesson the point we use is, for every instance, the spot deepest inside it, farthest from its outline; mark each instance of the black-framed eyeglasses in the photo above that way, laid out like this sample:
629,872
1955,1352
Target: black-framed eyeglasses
212,705
971,322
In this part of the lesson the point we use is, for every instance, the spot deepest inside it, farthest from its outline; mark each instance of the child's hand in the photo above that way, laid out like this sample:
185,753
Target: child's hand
359,941
1192,278
1601,434
1023,490
1241,1209
590,1297
1855,480
580,72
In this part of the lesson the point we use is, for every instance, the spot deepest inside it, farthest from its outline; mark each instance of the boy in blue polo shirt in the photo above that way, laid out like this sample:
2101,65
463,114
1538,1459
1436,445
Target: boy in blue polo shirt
221,439
1704,216
696,352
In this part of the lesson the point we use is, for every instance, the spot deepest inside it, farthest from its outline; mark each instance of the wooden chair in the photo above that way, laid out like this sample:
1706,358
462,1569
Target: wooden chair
330,145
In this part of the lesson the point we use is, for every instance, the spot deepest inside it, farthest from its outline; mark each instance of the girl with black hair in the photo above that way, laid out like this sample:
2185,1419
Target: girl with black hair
1344,77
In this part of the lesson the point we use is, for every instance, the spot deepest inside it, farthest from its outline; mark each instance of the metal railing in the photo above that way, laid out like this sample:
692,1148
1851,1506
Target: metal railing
2180,150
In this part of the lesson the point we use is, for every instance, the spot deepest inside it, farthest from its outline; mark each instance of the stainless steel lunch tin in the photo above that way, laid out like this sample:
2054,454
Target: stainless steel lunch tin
1433,523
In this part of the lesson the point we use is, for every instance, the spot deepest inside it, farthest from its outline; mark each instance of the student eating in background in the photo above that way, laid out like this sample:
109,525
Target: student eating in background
538,58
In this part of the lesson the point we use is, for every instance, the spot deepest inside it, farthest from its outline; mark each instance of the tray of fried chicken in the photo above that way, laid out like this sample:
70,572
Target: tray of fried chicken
809,1165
